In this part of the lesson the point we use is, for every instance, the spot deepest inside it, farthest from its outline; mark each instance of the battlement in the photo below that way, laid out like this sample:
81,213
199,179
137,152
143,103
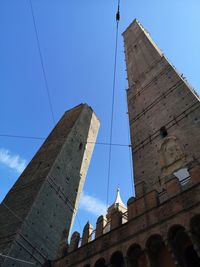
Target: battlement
149,205
152,214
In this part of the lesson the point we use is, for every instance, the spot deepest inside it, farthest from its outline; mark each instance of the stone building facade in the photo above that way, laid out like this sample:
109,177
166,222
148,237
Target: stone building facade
40,207
160,227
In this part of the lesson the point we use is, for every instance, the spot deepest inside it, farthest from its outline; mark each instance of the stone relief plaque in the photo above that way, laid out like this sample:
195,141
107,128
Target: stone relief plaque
171,155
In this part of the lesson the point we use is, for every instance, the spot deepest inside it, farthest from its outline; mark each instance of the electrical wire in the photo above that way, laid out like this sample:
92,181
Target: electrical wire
16,259
20,219
15,215
73,210
12,212
108,144
9,257
21,136
42,138
42,62
113,101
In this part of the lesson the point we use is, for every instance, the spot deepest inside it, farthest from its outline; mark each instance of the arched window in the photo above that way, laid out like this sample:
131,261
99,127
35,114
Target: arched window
100,263
136,257
158,252
117,259
182,247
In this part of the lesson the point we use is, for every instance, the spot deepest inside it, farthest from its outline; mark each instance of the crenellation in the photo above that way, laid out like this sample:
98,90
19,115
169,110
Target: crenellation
87,234
157,218
74,242
100,226
116,219
140,188
136,208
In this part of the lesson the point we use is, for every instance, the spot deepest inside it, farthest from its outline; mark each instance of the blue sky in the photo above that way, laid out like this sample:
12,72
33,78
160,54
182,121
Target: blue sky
77,44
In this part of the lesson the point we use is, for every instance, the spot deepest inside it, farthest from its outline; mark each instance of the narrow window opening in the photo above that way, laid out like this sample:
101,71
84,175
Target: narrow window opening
80,146
163,132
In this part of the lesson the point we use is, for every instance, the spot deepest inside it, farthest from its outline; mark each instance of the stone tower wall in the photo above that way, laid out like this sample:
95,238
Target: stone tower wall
43,201
159,99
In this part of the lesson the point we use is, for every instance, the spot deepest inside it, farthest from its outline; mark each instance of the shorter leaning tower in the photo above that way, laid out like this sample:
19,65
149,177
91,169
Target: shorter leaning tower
38,211
161,225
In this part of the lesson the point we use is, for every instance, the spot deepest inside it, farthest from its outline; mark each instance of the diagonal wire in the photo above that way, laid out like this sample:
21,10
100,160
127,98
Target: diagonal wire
113,102
107,144
42,138
16,259
15,214
22,136
9,257
11,211
42,62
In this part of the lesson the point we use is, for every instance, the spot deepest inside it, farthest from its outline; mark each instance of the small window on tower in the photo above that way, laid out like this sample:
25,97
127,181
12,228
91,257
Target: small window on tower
80,146
163,132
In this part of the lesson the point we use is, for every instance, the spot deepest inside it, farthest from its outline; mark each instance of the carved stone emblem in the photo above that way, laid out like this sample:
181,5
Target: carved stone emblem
172,156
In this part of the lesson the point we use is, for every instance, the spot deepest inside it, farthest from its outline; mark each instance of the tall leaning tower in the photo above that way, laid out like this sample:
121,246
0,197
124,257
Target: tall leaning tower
39,209
164,114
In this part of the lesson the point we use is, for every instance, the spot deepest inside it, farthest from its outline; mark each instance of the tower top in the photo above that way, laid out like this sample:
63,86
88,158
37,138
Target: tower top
142,54
117,205
136,24
118,201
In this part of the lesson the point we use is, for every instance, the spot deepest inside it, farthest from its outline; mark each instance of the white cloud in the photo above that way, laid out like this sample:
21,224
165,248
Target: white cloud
92,205
14,162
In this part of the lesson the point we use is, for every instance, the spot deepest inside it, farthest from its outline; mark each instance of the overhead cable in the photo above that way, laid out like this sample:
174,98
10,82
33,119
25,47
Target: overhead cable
16,259
113,101
42,138
42,63
22,136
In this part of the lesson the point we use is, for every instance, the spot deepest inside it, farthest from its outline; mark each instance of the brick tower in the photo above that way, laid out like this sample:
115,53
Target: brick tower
161,225
40,208
164,114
